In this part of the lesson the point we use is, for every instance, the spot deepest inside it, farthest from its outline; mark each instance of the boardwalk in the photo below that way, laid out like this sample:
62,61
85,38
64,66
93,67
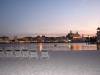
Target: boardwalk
59,63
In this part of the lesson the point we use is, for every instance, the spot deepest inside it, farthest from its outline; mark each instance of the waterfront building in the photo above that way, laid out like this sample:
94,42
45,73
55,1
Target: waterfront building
4,39
28,39
21,40
74,37
15,39
70,36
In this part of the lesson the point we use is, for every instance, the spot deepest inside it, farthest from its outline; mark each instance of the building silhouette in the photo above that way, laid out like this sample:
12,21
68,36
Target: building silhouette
98,38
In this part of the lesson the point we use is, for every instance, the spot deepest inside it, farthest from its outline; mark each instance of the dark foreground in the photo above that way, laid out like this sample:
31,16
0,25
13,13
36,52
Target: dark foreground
58,63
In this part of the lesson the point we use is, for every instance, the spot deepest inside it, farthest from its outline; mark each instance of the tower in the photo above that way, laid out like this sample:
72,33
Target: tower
98,35
98,38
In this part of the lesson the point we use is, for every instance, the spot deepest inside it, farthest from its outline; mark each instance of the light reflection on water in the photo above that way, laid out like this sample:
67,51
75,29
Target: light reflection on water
50,46
83,46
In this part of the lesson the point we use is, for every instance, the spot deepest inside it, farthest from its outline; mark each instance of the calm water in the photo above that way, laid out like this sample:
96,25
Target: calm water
50,46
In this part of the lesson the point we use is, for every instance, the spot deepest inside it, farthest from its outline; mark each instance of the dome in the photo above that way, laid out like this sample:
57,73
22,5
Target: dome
98,28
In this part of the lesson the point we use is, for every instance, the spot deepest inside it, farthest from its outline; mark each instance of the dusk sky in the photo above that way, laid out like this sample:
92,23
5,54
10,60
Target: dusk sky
49,16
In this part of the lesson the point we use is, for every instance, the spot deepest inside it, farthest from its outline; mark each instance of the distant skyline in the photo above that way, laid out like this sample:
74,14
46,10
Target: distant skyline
49,16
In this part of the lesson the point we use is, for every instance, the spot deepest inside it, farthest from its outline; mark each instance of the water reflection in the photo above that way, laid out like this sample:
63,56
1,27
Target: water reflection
98,46
80,46
67,46
52,46
75,47
40,46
